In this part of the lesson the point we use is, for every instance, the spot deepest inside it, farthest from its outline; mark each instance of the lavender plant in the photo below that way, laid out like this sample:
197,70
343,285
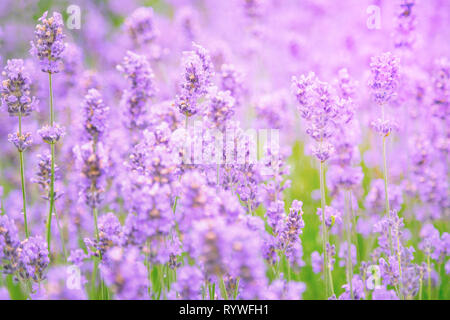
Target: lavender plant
187,170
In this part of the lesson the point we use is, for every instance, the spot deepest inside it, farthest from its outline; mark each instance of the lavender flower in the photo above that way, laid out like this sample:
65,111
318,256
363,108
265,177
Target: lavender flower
59,287
49,45
95,113
125,273
21,141
141,25
220,108
52,134
231,80
343,254
141,88
110,234
9,242
332,216
188,285
318,105
16,89
289,235
404,36
358,289
92,162
198,71
43,176
384,77
32,259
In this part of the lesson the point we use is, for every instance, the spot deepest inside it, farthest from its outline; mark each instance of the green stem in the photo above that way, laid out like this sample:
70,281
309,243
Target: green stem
52,177
61,236
52,198
429,276
386,192
22,178
223,289
349,244
324,230
420,288
95,214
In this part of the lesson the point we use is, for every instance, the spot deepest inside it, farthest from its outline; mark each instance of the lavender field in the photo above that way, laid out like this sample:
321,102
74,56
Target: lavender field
224,150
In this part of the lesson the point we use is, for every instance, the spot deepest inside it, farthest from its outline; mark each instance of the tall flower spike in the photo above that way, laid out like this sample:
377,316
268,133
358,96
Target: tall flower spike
137,70
95,113
384,77
197,74
15,96
141,25
15,89
48,45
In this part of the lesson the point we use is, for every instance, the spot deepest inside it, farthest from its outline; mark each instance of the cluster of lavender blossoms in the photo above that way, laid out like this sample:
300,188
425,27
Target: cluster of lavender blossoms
225,150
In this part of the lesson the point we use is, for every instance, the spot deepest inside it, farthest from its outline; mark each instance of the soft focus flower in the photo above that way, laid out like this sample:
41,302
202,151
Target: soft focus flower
15,89
48,44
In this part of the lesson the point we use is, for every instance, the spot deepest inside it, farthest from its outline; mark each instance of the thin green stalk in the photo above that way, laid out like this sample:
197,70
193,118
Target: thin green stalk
388,210
236,289
94,279
95,214
96,260
354,233
420,288
429,276
22,178
386,192
249,208
349,244
223,289
52,177
324,230
61,236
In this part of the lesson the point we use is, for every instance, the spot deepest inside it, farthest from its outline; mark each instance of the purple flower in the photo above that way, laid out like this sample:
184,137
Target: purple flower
317,262
137,70
92,162
52,134
109,232
384,77
4,294
141,25
21,141
125,273
357,287
220,107
384,294
77,257
15,89
231,80
95,113
48,45
198,71
343,254
404,36
43,176
323,151
275,216
9,242
332,216
32,259
188,285
347,86
384,127
63,283
289,235
283,290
